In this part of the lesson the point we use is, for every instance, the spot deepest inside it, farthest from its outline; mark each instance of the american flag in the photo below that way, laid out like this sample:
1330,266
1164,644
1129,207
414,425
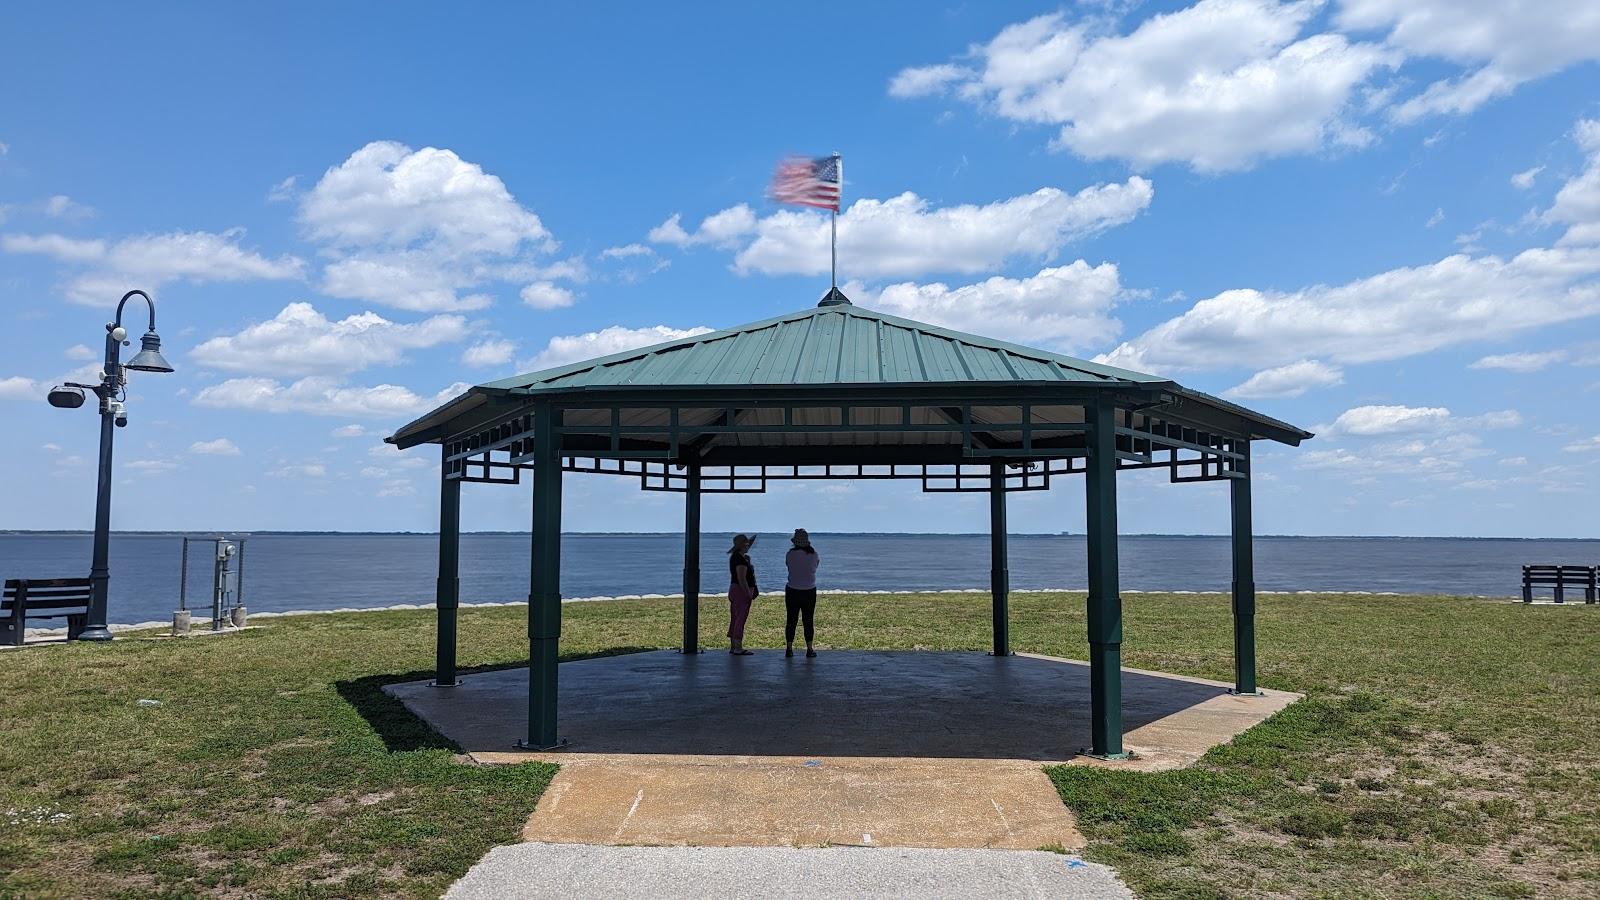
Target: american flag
808,182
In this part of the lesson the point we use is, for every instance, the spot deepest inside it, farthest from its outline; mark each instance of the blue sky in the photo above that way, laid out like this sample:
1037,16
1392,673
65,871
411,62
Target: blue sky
1379,219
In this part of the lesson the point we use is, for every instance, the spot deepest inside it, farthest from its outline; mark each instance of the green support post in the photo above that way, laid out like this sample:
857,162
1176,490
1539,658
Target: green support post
447,593
544,598
999,572
691,560
1244,584
1105,599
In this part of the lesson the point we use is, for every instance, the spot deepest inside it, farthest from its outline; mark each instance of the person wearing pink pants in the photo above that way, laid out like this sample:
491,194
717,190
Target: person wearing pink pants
742,591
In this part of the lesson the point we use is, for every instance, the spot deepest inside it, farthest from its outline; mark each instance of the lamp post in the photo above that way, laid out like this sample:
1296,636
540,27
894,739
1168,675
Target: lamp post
111,392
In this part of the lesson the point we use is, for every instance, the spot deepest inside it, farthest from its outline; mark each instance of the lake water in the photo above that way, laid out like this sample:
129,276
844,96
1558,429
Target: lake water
326,571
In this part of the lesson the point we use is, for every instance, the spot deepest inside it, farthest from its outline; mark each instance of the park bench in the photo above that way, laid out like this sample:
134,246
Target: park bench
1558,579
43,598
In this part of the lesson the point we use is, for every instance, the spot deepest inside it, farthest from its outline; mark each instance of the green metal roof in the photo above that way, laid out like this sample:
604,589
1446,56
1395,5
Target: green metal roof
833,344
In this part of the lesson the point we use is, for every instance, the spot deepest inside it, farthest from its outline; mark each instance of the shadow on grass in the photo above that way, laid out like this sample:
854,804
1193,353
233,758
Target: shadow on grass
401,730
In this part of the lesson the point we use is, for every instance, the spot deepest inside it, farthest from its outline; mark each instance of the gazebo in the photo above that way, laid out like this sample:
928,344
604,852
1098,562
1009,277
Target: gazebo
840,392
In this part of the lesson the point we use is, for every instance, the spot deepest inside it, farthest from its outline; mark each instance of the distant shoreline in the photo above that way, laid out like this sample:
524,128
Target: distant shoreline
23,532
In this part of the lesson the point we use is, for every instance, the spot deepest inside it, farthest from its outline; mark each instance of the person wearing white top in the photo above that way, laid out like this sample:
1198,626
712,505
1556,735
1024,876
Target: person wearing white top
800,592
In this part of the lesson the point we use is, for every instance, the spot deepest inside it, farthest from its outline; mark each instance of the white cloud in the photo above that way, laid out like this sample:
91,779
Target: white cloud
1218,86
547,295
285,190
397,489
16,387
489,353
1368,421
1587,445
418,229
1436,218
1524,179
572,348
1577,204
61,206
1290,380
725,229
1383,421
625,251
299,340
323,397
50,447
1530,361
59,247
1402,312
150,466
1504,43
904,237
1395,314
300,470
219,447
349,431
1066,306
388,195
151,261
410,281
925,81
79,352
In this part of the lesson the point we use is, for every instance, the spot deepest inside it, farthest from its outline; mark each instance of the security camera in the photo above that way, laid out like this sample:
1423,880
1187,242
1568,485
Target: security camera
122,420
118,414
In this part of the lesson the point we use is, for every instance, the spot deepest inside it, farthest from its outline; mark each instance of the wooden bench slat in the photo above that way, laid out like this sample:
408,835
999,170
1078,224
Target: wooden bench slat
51,592
13,583
46,603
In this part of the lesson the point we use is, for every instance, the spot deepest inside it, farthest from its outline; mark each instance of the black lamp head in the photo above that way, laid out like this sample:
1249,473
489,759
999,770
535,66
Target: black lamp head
149,358
63,397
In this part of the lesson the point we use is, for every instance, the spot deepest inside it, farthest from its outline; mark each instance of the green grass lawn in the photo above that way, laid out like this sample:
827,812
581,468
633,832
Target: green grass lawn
1447,747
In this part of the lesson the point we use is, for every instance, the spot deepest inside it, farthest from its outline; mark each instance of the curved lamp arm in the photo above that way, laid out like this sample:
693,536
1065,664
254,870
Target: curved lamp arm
148,302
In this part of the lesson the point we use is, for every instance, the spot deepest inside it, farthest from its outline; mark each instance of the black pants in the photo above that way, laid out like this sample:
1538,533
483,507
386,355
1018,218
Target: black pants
799,602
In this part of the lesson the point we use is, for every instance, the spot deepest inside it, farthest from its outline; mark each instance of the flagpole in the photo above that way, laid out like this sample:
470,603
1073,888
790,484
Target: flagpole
833,276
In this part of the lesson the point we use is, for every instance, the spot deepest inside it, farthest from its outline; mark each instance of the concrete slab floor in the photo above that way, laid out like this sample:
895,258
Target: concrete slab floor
910,748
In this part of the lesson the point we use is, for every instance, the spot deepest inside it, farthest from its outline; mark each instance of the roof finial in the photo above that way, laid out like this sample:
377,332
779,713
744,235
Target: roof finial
835,297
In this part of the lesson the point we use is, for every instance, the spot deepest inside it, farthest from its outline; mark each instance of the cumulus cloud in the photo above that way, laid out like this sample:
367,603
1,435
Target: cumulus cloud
571,348
107,268
79,352
1066,307
489,353
1217,86
626,251
61,206
547,295
1290,380
1531,361
322,396
219,447
16,387
905,236
1395,314
1502,44
418,229
1402,312
1382,421
725,229
1524,180
150,466
299,340
352,430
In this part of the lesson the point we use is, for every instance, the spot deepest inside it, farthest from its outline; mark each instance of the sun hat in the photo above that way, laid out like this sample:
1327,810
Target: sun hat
800,539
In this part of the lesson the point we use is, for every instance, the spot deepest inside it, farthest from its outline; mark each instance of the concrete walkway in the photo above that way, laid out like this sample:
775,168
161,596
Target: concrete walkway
576,870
